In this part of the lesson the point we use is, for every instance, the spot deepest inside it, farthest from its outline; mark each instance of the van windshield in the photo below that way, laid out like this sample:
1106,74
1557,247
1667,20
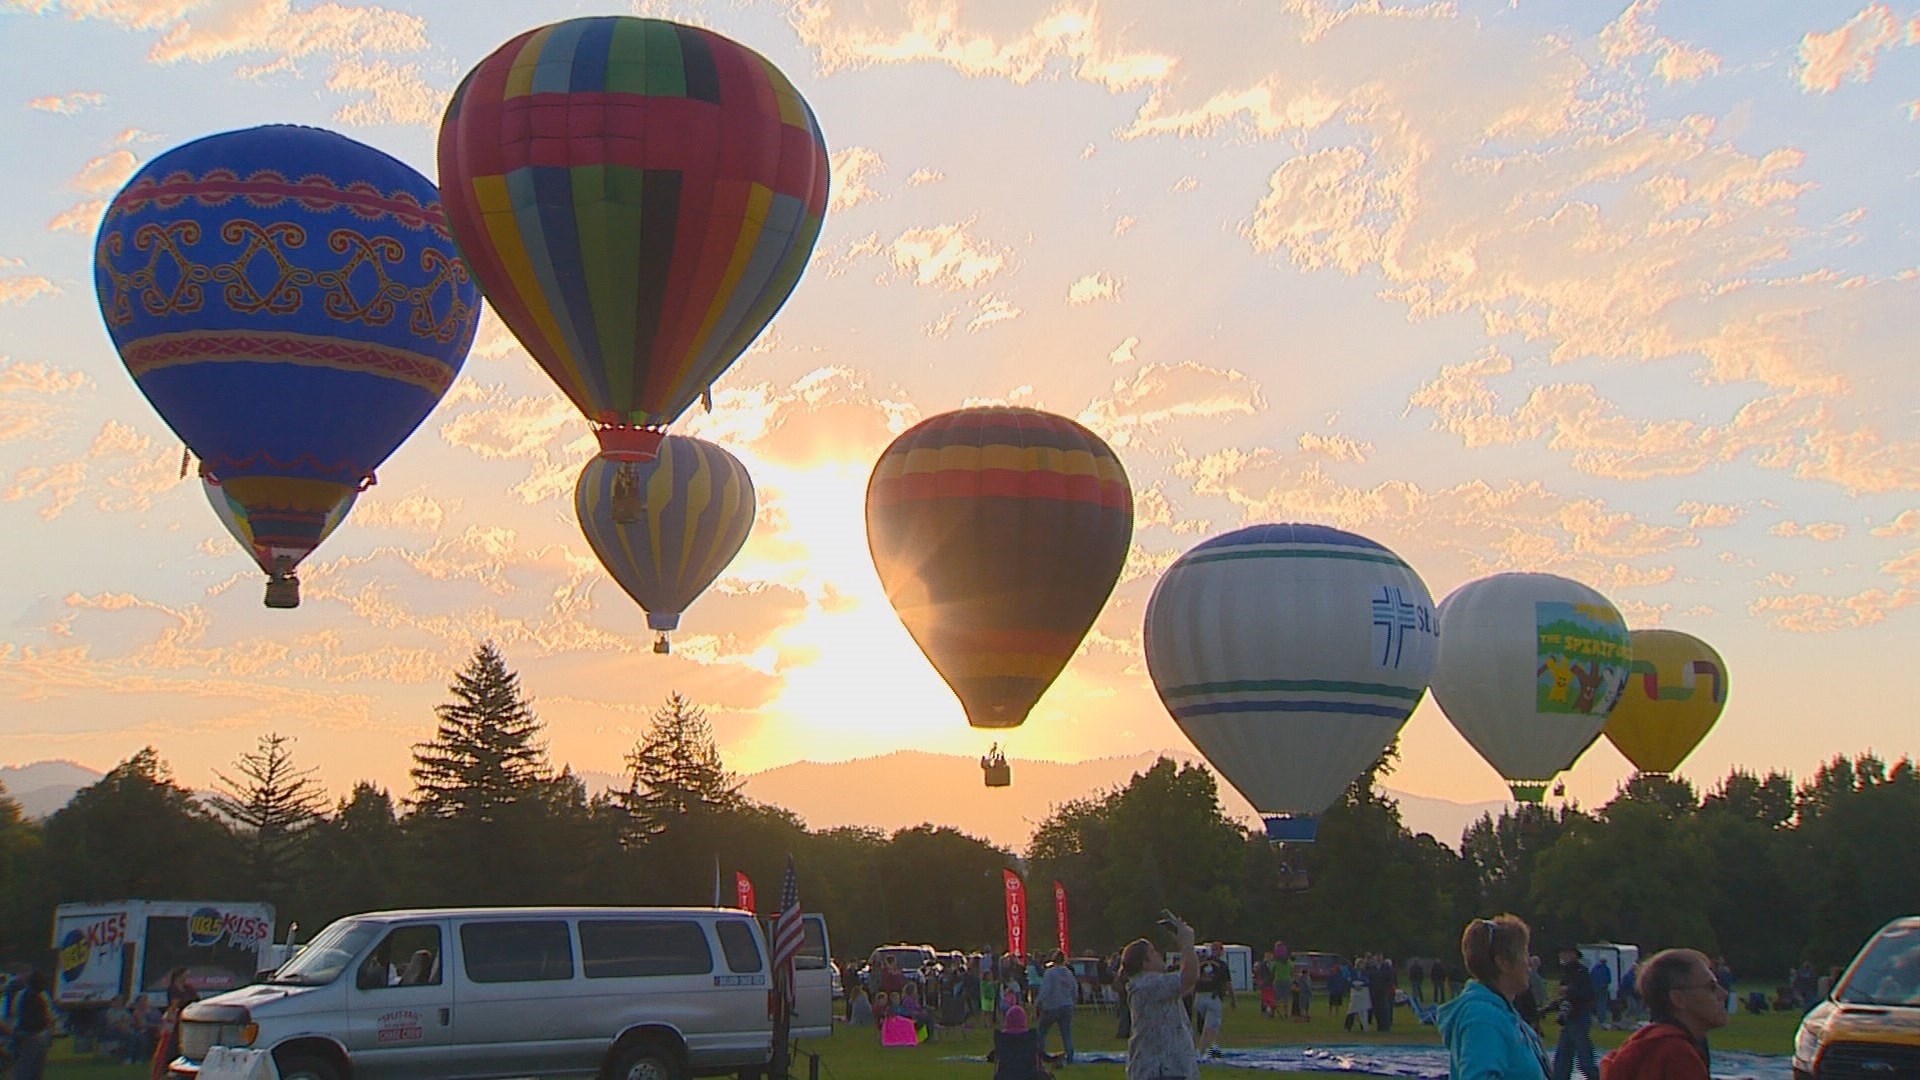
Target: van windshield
1887,973
327,955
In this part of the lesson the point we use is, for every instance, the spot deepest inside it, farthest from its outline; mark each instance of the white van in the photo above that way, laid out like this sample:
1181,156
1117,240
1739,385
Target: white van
627,993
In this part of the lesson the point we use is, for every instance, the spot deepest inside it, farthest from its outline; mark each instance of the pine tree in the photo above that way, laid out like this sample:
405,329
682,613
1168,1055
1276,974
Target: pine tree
675,773
486,756
274,805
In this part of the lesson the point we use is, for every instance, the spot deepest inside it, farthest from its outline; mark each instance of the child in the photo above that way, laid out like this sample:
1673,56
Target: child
1302,1001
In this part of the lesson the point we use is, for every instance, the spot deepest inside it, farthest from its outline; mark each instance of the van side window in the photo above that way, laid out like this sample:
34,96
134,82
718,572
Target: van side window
499,952
625,948
738,942
813,947
407,956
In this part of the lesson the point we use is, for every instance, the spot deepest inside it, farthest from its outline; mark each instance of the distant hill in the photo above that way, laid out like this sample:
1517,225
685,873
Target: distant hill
908,787
888,792
45,786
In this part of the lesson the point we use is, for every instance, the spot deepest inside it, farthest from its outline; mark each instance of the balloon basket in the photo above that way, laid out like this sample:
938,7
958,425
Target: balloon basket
1291,828
283,592
1528,791
999,775
661,646
618,442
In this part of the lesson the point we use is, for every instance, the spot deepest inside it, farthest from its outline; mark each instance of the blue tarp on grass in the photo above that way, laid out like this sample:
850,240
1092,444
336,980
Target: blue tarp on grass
1416,1062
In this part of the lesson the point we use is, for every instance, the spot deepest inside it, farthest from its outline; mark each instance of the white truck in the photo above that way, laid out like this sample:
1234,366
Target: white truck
124,948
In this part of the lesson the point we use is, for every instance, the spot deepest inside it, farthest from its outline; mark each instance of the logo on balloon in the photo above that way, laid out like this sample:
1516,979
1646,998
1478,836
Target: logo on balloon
1395,615
205,927
1583,657
74,951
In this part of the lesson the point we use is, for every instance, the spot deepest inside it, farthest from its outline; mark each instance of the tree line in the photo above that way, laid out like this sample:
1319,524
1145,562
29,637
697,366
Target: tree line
1758,869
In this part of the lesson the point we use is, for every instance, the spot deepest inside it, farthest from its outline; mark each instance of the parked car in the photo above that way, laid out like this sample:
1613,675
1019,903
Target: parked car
1869,1026
438,994
911,959
1320,965
1093,990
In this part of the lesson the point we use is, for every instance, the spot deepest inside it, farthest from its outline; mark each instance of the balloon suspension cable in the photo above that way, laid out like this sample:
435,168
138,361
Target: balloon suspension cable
624,503
661,646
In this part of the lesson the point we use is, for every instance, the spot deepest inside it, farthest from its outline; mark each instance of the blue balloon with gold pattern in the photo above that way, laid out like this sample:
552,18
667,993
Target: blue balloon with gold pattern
666,528
292,304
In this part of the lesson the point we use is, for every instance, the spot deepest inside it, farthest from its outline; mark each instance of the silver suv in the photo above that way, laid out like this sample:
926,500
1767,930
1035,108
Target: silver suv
627,993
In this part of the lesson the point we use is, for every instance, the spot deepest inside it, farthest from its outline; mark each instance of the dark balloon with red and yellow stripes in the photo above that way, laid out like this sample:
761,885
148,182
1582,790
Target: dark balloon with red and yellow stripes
999,534
637,198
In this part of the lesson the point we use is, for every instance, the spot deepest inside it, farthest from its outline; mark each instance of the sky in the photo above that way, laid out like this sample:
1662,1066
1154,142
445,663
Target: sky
1611,291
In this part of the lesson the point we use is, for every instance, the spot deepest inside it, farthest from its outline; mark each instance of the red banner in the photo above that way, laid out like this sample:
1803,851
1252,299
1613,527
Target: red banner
1016,913
1060,916
744,889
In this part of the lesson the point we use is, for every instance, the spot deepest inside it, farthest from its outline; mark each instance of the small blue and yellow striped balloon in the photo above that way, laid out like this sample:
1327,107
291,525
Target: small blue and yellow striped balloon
666,528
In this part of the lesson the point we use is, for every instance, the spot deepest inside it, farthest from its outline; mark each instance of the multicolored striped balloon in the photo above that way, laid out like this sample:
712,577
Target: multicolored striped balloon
691,508
258,534
999,534
291,303
1291,655
637,198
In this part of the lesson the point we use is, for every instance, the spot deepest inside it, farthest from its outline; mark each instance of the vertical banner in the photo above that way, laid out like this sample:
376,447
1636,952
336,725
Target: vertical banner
1016,913
1060,916
743,888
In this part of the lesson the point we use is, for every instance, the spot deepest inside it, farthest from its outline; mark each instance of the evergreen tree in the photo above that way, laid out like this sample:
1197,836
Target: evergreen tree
486,755
674,773
364,856
274,805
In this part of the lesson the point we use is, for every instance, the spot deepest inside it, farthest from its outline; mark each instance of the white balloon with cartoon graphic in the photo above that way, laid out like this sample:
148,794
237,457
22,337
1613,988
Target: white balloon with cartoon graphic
1530,666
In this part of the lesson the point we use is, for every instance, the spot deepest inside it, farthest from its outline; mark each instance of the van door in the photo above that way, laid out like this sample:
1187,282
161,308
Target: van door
519,1012
812,981
400,1006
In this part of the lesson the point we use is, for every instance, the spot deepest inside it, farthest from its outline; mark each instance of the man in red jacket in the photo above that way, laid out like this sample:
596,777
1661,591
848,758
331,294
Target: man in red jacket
1685,1002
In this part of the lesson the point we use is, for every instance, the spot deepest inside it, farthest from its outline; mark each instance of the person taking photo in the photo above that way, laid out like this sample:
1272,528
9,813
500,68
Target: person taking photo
1160,1043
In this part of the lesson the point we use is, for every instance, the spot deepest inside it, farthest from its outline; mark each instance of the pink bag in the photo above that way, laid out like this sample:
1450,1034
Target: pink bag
898,1031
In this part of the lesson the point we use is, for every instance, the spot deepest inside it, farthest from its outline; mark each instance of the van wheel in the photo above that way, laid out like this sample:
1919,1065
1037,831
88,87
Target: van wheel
646,1061
307,1068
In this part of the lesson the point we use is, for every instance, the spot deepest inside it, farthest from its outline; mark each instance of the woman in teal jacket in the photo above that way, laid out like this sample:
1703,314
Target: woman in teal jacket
1485,1037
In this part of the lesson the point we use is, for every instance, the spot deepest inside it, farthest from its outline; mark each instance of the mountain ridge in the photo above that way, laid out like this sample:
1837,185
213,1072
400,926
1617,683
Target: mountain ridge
891,791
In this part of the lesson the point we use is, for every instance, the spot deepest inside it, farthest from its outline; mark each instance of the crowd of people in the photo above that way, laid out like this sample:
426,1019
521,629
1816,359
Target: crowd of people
144,1029
1490,1006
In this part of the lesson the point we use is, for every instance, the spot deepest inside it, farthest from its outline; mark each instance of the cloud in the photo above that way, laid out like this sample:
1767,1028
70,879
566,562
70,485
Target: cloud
868,32
389,93
947,257
1091,288
1123,353
18,289
1630,37
31,396
924,176
1704,515
1847,54
1813,613
1335,447
279,37
854,170
1906,524
67,104
1160,394
1466,530
1821,531
410,513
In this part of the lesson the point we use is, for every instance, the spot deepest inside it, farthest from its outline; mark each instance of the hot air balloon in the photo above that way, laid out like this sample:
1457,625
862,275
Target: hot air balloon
241,524
695,509
1291,655
998,534
637,198
1675,690
1529,667
291,303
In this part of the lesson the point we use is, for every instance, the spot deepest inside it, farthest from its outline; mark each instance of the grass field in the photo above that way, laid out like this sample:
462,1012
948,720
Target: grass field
857,1055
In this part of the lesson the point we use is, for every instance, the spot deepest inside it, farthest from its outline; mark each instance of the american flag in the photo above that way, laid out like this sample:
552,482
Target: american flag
786,935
